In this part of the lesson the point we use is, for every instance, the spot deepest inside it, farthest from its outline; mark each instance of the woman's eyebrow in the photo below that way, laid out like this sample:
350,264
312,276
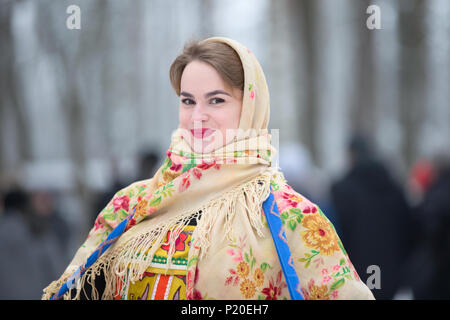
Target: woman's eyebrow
216,92
187,94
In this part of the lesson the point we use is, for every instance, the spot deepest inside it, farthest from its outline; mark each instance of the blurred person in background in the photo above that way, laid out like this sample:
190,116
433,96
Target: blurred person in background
148,162
32,244
19,273
51,235
2,207
47,221
374,217
430,261
420,179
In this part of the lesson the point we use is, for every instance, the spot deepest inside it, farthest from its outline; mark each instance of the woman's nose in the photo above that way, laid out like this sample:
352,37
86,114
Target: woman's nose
199,113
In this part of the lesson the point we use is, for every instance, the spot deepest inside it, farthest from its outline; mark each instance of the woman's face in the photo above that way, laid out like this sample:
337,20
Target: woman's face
208,107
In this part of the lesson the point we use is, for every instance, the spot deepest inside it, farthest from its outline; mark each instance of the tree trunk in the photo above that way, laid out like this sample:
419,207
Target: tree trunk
412,75
307,11
11,99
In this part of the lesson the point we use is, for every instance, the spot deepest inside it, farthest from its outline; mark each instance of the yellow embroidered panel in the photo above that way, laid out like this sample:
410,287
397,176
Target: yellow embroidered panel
160,284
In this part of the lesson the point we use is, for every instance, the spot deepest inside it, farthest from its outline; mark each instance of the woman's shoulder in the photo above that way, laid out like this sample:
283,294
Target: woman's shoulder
119,206
134,189
289,199
137,185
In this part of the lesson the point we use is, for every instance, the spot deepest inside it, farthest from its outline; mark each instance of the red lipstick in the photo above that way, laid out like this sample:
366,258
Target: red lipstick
202,133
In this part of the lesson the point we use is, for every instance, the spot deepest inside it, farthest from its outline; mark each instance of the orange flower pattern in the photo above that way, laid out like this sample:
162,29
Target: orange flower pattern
250,277
318,293
258,277
141,208
319,235
248,289
243,269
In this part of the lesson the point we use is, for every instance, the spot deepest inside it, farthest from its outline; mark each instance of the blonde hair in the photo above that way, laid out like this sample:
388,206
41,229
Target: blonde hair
219,55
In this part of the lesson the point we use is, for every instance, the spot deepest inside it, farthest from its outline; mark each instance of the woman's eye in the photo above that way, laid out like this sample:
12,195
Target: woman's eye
188,101
217,100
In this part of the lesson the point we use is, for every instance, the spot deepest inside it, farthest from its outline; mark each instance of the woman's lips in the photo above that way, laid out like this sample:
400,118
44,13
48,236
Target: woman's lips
202,133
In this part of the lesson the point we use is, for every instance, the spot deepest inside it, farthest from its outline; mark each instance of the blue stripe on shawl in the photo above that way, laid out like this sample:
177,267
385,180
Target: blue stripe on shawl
284,254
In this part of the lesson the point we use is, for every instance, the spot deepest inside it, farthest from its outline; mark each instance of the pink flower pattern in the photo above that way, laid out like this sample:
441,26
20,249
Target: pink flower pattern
122,202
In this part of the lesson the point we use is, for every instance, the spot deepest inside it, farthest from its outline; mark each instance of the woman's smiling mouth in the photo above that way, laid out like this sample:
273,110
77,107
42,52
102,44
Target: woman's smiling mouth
202,133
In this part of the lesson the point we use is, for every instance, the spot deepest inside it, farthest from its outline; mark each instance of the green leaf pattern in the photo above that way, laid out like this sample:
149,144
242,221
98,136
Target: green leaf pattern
291,218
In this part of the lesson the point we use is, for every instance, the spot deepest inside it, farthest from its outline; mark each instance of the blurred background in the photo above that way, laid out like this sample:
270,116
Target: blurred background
363,117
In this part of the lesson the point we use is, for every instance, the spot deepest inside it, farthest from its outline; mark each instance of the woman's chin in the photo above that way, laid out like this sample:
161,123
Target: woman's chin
204,146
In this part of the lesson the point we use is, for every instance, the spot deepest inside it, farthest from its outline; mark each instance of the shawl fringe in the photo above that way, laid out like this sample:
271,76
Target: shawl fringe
127,263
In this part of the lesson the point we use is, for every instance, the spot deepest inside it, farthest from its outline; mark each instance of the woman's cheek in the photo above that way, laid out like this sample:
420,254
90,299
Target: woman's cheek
184,117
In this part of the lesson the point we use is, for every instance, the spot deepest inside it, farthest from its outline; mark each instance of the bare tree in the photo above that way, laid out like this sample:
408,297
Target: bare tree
11,99
73,49
362,105
412,74
307,12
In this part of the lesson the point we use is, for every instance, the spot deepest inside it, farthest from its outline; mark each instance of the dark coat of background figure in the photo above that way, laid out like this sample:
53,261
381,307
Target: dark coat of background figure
375,219
430,261
33,244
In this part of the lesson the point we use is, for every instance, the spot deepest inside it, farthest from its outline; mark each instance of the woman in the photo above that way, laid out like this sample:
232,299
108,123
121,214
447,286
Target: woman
196,230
